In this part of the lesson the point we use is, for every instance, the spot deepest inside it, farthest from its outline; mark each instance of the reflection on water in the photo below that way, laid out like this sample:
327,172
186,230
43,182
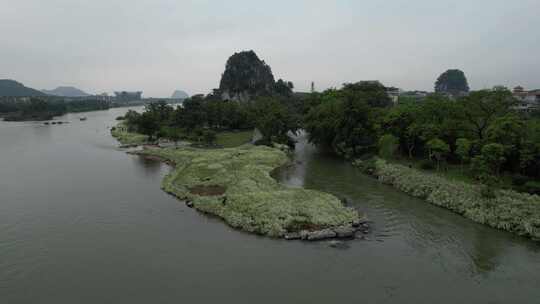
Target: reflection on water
451,241
149,166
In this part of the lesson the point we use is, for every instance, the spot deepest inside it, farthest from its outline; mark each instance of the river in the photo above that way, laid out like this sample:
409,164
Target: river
83,222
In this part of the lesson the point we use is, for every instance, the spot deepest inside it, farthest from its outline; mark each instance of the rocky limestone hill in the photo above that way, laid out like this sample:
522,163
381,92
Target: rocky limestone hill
246,77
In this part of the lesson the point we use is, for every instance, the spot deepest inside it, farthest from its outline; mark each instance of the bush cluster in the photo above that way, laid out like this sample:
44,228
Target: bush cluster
506,209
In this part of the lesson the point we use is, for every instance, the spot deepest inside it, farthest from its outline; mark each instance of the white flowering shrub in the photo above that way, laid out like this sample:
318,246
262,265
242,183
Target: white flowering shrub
252,200
509,210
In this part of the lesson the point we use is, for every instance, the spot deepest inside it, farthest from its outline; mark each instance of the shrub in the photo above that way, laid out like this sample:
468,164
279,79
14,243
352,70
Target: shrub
388,146
263,142
487,191
367,166
519,180
533,187
427,165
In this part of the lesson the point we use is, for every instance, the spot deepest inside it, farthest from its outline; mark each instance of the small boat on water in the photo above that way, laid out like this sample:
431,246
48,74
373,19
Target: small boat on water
82,118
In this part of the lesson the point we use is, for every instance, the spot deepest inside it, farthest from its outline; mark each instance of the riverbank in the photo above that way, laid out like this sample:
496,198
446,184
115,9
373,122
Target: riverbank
515,212
235,184
120,132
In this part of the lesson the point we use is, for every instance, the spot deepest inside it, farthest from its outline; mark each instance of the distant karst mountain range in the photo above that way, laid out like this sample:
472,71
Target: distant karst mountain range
66,92
12,88
179,94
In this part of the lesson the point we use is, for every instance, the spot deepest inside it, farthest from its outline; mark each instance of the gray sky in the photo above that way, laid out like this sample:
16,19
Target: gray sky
158,46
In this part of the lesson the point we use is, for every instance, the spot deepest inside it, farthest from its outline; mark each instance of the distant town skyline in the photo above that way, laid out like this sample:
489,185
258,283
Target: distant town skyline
160,46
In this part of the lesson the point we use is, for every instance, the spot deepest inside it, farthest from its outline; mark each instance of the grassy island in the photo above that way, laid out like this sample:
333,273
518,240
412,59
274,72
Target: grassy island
121,133
235,185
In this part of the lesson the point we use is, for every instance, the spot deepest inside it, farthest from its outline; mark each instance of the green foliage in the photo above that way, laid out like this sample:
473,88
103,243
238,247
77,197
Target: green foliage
273,120
457,129
125,137
34,109
438,149
231,139
388,146
209,137
427,165
463,149
348,119
480,109
493,155
533,187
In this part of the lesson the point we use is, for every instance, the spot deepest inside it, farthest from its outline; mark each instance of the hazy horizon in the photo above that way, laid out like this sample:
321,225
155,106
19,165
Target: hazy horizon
161,46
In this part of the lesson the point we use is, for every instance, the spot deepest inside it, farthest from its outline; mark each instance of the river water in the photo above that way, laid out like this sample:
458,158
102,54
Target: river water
83,222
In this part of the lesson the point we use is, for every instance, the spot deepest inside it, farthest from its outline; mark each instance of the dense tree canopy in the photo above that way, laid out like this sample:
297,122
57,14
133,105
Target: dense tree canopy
347,119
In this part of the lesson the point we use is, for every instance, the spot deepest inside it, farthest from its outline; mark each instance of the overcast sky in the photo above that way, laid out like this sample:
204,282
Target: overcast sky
158,46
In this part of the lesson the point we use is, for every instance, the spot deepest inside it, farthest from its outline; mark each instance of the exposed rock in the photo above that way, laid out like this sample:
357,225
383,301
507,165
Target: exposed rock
292,236
344,232
321,235
247,77
304,234
189,204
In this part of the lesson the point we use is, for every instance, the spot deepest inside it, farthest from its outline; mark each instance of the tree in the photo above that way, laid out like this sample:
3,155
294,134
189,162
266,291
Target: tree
437,149
160,110
147,125
481,108
402,122
209,137
283,88
273,120
452,82
321,122
372,92
193,114
132,120
493,155
529,158
388,146
463,150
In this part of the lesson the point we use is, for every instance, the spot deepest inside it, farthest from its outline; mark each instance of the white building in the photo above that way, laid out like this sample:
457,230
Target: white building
528,100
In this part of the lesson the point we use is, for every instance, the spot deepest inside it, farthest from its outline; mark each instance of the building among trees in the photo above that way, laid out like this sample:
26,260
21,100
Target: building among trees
125,96
528,101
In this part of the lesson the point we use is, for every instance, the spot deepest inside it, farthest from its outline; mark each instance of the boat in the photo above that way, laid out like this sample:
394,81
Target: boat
83,118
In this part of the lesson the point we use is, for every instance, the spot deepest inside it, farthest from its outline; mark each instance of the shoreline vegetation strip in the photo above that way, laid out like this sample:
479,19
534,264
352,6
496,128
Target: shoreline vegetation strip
509,210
